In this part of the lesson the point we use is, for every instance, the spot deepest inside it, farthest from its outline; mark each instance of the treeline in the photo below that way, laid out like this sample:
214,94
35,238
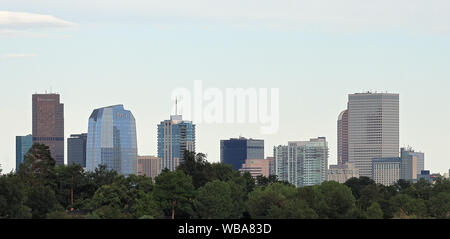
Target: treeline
199,189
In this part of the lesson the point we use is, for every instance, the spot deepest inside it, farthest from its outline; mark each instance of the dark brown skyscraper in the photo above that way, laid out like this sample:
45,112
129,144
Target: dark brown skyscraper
48,124
343,137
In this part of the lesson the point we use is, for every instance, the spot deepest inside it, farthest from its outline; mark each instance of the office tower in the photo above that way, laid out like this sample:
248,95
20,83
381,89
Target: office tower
386,171
343,137
23,144
48,124
175,137
426,175
342,172
256,167
235,151
148,166
302,163
412,163
373,126
112,140
76,149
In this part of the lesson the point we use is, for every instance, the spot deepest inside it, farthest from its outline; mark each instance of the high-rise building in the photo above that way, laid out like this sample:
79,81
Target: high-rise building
343,137
342,172
271,165
148,166
236,151
48,124
76,149
175,137
412,164
256,167
23,144
302,163
112,140
281,162
373,129
386,171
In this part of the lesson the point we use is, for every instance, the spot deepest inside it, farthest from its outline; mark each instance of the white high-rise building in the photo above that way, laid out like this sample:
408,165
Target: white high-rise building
302,163
373,120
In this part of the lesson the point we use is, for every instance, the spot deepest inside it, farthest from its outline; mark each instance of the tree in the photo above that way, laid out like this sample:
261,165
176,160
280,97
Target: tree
405,206
13,198
333,200
358,184
374,211
42,200
440,205
38,166
175,193
278,201
214,201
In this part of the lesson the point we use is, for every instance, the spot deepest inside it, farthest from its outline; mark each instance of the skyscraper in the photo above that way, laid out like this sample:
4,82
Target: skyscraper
256,167
175,137
373,125
48,124
302,163
76,149
236,151
412,163
23,144
112,140
343,137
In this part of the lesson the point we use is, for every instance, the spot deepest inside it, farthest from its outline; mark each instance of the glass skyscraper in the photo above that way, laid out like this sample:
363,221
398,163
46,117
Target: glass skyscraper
23,144
112,140
76,149
175,136
302,163
236,151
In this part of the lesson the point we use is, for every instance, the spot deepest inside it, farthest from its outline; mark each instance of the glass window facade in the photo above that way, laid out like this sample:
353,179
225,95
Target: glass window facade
23,144
236,151
175,136
112,140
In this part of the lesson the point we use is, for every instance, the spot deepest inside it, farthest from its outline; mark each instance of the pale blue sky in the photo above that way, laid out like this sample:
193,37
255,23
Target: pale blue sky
97,53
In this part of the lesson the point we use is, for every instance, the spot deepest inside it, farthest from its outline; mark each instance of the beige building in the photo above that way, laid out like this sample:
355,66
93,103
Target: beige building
342,173
256,167
148,166
386,171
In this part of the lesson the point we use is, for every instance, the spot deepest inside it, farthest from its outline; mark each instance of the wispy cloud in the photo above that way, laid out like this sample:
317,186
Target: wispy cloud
16,55
24,20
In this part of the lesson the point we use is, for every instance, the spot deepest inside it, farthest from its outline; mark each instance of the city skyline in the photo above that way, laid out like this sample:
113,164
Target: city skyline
315,52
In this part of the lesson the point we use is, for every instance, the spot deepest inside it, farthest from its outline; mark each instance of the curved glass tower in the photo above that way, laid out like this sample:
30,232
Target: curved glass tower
112,140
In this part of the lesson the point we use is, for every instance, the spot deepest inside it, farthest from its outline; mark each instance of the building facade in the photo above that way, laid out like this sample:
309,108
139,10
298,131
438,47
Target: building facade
386,171
236,151
112,140
412,164
256,167
23,144
302,163
373,129
76,149
148,166
175,137
48,124
342,125
342,172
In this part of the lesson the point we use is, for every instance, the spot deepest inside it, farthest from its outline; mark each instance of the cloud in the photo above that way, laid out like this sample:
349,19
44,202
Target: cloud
24,20
321,15
16,55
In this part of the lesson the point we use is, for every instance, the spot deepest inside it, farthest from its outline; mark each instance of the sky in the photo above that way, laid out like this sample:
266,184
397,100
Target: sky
98,53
